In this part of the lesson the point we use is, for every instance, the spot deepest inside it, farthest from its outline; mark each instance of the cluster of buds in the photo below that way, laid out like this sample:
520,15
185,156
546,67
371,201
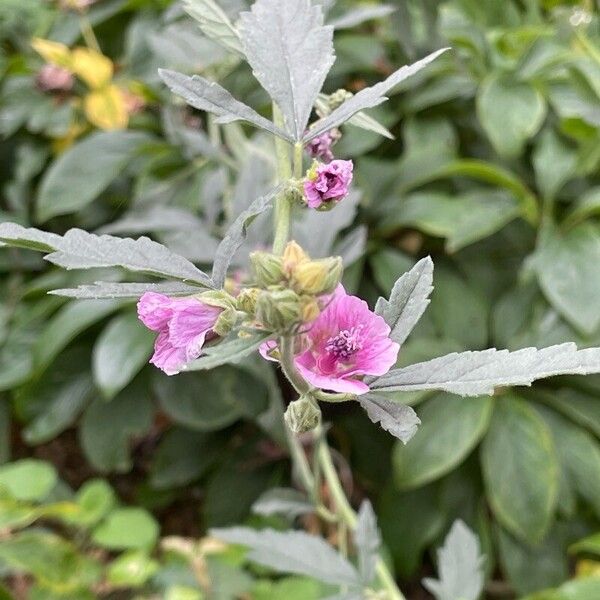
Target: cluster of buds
288,289
303,414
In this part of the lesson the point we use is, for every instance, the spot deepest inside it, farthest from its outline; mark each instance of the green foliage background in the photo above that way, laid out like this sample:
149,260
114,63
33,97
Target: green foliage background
494,171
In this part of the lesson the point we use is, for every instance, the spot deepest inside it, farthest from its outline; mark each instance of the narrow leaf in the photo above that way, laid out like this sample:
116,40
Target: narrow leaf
290,52
292,552
214,23
283,501
369,97
234,238
228,351
398,419
101,289
478,373
361,14
368,541
211,97
460,566
78,249
408,300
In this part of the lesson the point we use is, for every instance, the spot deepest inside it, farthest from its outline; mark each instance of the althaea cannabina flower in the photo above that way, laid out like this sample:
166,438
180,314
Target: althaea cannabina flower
320,147
183,326
328,183
344,343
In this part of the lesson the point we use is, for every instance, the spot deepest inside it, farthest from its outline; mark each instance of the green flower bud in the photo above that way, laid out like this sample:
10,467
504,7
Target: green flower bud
226,322
309,308
267,268
219,298
338,98
303,414
293,255
246,300
317,276
278,310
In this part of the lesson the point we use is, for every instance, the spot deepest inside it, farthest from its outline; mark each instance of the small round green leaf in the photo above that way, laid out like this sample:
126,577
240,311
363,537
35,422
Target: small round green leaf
28,479
127,528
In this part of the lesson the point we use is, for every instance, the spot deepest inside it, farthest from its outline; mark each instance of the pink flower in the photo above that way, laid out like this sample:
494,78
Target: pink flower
344,343
183,325
52,78
329,183
320,147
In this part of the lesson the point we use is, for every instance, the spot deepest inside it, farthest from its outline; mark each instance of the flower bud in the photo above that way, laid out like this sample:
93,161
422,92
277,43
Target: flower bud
246,300
338,98
226,322
309,309
52,78
293,255
303,414
317,276
278,310
219,298
267,268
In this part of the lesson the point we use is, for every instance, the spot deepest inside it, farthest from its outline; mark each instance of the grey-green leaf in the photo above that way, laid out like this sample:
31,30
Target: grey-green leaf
235,236
211,97
230,350
368,541
214,23
408,300
361,14
369,97
460,566
78,249
283,501
100,290
290,52
398,419
292,552
478,373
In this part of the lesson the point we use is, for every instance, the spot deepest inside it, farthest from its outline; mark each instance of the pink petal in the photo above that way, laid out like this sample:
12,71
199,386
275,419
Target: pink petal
166,357
154,310
333,383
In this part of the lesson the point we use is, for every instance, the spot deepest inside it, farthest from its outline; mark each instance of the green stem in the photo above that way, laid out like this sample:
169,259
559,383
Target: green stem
347,513
87,31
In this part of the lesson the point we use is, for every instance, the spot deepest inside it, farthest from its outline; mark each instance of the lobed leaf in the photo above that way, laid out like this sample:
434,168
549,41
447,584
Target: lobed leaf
214,23
78,249
292,552
369,97
408,300
478,373
235,236
290,52
211,97
398,419
460,566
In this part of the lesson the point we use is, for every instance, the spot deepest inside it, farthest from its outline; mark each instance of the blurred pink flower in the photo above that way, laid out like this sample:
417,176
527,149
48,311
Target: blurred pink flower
344,343
183,326
52,78
320,147
328,183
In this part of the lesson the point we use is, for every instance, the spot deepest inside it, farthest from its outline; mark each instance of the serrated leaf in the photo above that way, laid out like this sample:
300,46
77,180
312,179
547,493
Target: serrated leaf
235,236
408,300
361,14
290,52
479,373
103,290
292,552
230,350
398,419
369,97
368,542
460,566
283,501
211,97
214,23
78,249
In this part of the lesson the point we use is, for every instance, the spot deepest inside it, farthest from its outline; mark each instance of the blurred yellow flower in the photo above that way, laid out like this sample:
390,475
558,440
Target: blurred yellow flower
52,52
95,69
106,108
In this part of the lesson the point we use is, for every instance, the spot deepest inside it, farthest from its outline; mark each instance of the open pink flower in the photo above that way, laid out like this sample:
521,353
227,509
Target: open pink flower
183,326
329,183
344,343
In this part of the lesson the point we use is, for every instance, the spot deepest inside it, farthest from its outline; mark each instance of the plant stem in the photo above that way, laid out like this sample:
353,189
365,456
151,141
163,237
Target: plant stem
347,513
87,31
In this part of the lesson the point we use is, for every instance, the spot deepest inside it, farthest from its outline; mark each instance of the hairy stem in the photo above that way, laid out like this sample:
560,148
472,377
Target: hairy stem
283,205
347,514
